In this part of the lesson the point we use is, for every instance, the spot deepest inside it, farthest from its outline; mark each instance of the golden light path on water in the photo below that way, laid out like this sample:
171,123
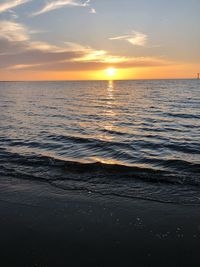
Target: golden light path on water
109,125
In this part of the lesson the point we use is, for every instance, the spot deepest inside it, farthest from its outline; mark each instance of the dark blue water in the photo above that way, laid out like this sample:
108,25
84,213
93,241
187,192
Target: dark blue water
138,139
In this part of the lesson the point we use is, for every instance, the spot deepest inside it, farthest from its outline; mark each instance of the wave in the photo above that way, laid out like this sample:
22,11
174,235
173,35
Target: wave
128,145
104,178
181,115
12,163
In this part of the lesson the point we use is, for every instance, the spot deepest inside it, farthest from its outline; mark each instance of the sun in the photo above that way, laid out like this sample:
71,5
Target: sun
111,72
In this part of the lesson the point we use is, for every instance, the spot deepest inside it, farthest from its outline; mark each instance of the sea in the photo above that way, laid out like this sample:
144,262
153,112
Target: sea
135,139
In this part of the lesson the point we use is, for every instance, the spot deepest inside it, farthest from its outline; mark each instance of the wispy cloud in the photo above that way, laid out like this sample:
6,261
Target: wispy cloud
7,5
100,56
62,3
17,33
23,66
135,38
13,14
19,50
93,11
13,32
78,65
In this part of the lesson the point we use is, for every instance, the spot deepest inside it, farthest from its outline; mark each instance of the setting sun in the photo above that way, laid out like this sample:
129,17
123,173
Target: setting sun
111,72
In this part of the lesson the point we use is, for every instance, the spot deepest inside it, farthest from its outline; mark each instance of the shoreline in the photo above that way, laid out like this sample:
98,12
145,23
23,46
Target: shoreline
44,226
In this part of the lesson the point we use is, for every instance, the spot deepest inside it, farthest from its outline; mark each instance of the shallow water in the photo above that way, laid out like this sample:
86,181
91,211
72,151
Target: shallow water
129,138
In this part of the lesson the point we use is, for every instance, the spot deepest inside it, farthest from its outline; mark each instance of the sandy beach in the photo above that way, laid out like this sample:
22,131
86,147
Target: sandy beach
52,227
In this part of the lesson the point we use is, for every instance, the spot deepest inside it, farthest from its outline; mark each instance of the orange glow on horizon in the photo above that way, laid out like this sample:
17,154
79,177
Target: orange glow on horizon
164,72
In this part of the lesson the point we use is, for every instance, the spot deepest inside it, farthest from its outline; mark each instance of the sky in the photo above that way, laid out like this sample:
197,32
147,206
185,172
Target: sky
97,39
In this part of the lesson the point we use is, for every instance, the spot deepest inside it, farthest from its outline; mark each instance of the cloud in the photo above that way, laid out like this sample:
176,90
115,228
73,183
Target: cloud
18,35
135,38
93,11
13,14
13,31
23,66
62,3
19,51
11,4
75,65
100,56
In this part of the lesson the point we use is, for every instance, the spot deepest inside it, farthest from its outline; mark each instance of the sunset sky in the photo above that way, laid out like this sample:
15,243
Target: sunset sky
97,39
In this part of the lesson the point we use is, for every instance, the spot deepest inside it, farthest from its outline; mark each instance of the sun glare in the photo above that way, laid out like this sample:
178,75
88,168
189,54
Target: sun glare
111,72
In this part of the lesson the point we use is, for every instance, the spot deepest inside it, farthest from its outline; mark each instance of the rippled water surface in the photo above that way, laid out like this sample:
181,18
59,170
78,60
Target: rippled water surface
129,138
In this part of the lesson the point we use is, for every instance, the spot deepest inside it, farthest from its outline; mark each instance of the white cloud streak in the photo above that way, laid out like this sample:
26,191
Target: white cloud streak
7,5
135,38
15,33
93,11
63,3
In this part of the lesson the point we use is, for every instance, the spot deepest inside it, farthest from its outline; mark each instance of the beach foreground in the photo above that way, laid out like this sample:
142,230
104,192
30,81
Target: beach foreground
63,228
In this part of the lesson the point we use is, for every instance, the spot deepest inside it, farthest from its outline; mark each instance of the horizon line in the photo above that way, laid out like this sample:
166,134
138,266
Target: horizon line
98,80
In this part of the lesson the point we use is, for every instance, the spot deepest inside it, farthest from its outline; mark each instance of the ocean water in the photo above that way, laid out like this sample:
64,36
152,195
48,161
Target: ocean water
136,139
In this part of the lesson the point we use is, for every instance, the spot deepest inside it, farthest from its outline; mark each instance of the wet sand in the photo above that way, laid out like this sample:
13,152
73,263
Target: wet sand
45,226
